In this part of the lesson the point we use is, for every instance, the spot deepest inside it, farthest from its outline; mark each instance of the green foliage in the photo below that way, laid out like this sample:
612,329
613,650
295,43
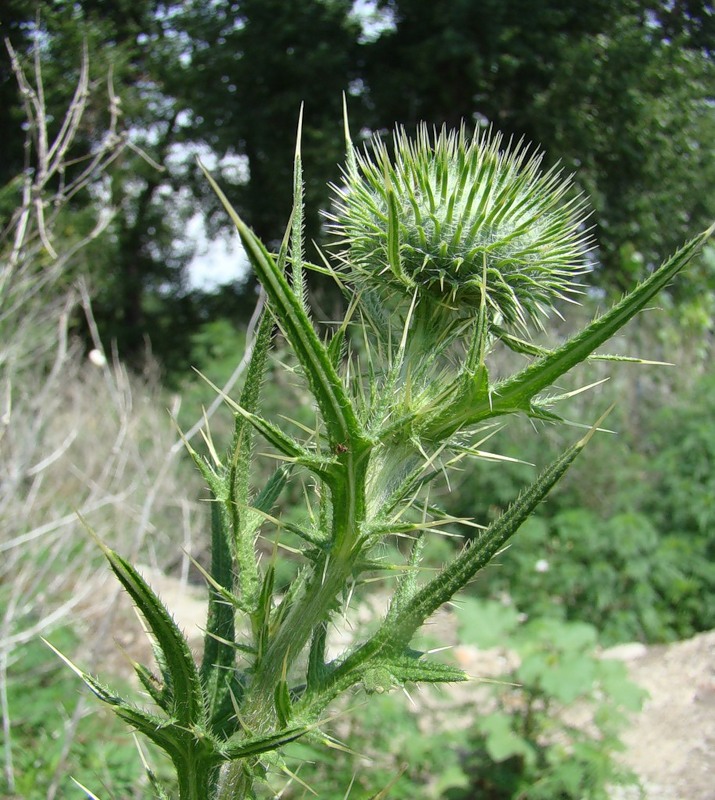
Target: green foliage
385,741
527,747
632,62
619,573
385,735
627,540
683,450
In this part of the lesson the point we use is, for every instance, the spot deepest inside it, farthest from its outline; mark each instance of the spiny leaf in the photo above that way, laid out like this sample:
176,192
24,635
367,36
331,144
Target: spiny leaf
158,729
478,555
408,583
296,238
262,616
238,479
551,366
154,687
214,481
336,347
250,395
515,393
238,747
416,670
335,405
282,703
267,497
317,669
161,792
186,685
289,447
523,347
219,659
228,596
314,538
396,632
293,592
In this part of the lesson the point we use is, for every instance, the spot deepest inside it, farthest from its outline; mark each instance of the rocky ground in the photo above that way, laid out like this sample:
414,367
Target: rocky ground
670,743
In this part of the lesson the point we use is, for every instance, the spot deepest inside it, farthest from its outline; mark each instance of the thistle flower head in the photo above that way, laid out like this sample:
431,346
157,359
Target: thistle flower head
456,220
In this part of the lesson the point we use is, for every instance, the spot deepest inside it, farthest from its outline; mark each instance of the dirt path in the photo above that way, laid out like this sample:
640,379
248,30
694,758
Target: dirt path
671,743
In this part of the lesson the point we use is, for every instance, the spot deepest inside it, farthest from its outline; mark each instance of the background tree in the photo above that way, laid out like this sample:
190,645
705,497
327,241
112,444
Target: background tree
250,67
620,93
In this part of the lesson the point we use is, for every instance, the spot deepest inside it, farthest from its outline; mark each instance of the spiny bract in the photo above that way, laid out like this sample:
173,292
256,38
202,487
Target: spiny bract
453,216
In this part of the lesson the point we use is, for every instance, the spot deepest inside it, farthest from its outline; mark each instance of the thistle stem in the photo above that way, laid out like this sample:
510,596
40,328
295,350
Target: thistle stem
329,578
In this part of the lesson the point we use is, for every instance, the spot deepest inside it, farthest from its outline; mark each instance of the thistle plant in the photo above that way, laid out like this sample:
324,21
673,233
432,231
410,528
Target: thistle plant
446,250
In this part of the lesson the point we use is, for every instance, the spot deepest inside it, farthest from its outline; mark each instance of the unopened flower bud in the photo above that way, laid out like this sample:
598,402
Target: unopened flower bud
453,218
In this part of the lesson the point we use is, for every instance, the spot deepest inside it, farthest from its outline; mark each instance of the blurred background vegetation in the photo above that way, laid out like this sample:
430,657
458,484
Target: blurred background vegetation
622,94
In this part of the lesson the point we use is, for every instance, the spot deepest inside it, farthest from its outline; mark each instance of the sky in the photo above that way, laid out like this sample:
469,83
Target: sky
217,262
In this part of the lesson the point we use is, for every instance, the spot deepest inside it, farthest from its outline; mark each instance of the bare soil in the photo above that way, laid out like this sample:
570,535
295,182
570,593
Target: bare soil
670,743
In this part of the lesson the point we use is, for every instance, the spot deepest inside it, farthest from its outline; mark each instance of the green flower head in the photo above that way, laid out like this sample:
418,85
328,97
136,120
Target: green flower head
455,219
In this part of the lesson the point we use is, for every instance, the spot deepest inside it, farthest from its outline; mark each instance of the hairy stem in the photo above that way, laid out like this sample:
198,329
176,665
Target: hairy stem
329,578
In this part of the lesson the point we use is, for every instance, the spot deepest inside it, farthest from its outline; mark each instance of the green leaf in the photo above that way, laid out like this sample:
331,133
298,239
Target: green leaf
563,678
159,730
321,466
241,447
156,690
396,632
573,677
297,222
410,669
317,668
453,777
516,393
479,554
282,701
187,706
407,586
239,478
617,685
262,616
239,747
334,403
549,368
486,623
219,657
267,497
336,346
213,480
502,742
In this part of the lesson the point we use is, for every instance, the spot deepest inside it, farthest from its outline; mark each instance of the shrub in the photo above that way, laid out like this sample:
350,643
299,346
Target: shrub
555,730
